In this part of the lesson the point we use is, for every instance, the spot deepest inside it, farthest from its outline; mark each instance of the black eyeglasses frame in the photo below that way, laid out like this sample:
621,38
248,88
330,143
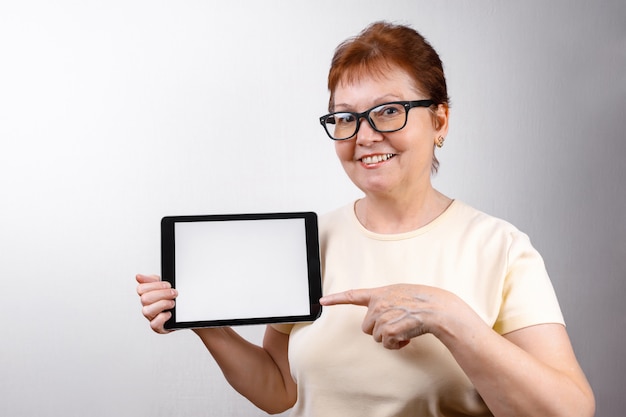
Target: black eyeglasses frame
408,105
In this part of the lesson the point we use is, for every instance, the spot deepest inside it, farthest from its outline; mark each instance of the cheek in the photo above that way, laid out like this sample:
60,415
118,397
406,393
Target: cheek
345,150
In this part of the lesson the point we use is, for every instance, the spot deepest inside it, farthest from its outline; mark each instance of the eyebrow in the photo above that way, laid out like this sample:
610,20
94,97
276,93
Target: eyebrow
380,100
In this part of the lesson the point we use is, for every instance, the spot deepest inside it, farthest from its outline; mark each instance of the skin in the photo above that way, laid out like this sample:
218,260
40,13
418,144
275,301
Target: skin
398,193
399,197
260,373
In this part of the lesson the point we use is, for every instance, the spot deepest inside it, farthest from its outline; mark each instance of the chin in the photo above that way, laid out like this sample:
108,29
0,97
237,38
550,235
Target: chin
374,187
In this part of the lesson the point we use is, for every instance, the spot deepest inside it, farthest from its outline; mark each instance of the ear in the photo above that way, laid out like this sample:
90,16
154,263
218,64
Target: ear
441,116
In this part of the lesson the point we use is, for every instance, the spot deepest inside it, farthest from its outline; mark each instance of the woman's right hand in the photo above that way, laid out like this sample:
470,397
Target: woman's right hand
261,374
156,298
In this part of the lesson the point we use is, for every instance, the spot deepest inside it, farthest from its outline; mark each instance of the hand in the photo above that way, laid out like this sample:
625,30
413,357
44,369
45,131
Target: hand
156,297
398,313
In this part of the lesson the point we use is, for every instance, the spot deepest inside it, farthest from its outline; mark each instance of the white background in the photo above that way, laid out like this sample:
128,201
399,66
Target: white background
116,113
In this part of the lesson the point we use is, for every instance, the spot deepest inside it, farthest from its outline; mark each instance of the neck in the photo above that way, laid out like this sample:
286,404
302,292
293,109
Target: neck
393,215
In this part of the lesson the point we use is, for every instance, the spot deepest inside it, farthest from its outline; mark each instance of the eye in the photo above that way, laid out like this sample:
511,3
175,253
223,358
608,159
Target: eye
388,110
344,118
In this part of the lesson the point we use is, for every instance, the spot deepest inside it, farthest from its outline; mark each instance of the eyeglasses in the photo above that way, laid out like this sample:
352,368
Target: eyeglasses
384,118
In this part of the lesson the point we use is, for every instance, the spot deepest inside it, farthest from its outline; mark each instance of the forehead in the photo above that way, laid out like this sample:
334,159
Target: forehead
367,88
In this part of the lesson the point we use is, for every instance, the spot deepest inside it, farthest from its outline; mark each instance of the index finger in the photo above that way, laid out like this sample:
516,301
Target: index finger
359,297
148,283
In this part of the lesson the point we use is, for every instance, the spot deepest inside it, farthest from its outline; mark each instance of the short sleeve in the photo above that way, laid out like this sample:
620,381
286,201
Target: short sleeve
528,295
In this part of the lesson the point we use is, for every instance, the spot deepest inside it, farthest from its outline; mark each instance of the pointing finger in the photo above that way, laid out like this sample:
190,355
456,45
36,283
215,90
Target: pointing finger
360,297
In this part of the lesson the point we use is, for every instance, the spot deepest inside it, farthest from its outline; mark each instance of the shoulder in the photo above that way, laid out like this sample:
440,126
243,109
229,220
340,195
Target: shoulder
467,220
466,214
487,235
336,218
338,214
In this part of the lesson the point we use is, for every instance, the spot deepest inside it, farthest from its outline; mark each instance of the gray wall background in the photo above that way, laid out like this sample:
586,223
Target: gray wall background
114,114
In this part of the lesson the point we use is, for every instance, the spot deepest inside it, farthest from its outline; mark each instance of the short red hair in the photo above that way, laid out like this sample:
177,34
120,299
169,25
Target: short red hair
382,46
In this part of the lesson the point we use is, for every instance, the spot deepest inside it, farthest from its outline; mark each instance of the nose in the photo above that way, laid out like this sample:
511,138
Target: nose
366,134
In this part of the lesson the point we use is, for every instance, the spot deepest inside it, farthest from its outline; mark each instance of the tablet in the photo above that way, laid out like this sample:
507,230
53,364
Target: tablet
235,269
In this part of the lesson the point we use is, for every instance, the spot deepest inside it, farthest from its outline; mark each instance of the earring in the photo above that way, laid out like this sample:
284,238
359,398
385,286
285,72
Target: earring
440,141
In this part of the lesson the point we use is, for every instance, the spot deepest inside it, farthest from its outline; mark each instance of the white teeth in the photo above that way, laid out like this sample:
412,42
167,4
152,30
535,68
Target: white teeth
376,158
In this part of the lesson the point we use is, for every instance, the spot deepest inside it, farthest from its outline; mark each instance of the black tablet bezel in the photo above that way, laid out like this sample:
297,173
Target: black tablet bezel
168,266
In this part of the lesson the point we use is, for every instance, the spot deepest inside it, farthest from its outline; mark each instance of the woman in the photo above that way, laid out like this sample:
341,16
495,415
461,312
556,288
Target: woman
432,307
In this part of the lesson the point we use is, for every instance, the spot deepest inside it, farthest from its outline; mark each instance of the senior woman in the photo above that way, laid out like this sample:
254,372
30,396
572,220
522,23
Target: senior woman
432,307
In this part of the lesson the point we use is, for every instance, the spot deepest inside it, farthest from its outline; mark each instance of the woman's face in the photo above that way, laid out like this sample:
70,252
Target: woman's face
395,164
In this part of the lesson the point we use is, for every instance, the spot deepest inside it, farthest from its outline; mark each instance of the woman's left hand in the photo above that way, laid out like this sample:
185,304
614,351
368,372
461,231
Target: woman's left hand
397,313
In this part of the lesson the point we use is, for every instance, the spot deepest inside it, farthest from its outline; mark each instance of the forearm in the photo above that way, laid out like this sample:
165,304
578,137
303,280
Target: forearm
513,382
250,369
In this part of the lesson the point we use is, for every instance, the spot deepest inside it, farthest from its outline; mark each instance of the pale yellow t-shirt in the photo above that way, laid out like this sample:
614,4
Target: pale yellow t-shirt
343,372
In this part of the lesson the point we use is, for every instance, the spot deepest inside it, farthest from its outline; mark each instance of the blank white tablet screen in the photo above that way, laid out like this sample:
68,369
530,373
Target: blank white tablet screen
241,269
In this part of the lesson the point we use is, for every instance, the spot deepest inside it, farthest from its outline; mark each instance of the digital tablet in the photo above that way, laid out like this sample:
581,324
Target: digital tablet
235,269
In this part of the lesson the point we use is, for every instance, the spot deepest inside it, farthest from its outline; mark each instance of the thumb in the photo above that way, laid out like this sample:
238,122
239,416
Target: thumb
144,279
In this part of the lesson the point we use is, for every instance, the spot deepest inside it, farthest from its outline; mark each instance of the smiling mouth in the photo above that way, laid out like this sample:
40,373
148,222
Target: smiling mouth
375,159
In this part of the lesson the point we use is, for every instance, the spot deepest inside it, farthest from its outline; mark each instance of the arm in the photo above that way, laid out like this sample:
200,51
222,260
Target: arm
529,372
261,374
